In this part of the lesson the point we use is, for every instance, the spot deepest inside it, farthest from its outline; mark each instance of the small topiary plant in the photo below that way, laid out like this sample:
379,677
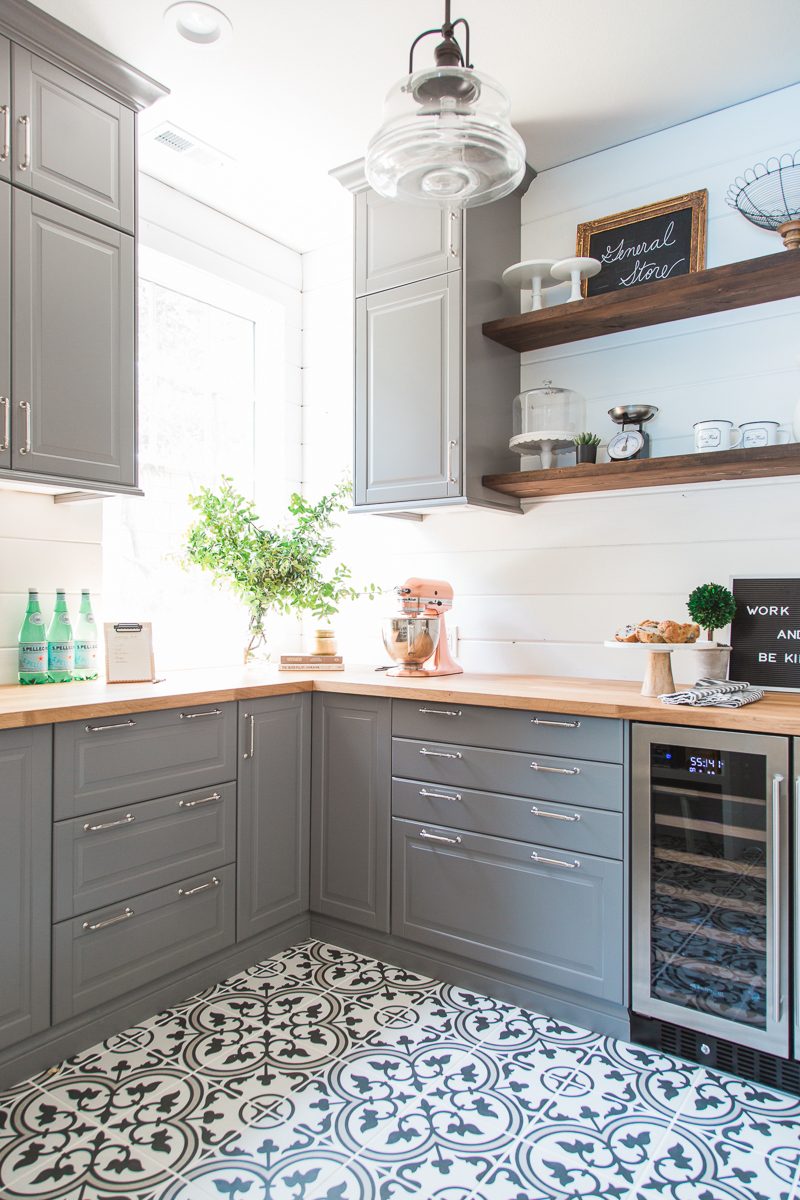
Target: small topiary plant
712,606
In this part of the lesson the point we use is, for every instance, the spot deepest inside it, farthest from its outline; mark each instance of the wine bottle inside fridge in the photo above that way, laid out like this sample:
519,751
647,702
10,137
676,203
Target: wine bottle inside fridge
85,640
32,643
60,643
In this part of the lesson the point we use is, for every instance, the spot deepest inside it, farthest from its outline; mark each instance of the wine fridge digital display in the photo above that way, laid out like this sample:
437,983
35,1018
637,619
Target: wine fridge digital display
710,920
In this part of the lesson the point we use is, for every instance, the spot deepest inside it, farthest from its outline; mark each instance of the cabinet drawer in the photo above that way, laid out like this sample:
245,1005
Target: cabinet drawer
559,921
107,762
506,729
568,827
103,858
542,777
115,950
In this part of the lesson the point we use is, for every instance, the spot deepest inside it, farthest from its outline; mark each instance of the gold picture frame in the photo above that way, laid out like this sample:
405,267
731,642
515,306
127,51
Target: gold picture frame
696,202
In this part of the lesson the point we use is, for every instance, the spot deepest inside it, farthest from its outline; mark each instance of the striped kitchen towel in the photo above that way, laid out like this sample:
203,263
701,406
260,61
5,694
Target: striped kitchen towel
716,693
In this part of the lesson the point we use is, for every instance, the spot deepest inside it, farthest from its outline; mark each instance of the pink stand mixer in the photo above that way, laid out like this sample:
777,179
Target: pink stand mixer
419,636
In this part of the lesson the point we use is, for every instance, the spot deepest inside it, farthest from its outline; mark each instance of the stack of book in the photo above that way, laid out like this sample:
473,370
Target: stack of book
311,662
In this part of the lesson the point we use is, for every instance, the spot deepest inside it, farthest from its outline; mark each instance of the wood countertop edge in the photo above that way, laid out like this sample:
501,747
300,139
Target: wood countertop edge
778,713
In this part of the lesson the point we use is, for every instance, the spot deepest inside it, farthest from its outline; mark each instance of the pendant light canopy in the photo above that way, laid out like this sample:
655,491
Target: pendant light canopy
446,138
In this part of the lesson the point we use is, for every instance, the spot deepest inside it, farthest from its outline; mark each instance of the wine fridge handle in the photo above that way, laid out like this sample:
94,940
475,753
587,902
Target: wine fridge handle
777,780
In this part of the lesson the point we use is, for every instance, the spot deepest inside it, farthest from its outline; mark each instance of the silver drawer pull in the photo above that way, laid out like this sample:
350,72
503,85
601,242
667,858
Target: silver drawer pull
555,862
538,812
128,819
438,837
25,122
556,724
123,916
103,728
442,712
202,800
5,152
556,770
212,712
201,887
439,753
438,795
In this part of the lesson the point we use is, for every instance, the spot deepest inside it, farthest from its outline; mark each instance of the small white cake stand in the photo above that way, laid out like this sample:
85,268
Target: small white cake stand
658,679
575,269
532,275
542,442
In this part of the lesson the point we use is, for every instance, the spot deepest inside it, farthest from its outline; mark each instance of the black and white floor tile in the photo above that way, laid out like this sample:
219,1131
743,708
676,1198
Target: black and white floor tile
324,1075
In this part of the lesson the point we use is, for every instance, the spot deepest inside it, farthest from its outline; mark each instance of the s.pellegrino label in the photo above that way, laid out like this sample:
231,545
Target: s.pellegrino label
60,644
32,644
85,640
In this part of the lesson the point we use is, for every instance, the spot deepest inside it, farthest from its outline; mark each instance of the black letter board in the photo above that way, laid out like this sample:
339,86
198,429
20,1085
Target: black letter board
642,252
765,633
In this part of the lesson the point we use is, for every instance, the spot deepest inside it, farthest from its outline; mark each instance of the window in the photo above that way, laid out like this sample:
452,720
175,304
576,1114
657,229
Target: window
211,402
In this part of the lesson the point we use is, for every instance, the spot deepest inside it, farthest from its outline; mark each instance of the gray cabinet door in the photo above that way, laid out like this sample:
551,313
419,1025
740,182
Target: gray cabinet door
408,393
72,331
5,325
72,143
25,824
350,809
5,108
557,918
274,799
402,243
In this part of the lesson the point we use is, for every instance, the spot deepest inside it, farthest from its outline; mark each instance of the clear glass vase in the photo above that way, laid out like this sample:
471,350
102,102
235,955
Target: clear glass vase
257,650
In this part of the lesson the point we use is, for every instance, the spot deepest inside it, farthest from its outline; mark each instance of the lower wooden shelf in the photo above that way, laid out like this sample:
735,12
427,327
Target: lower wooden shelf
755,463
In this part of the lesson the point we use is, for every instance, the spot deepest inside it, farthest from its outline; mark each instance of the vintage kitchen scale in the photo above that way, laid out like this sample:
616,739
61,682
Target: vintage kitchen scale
632,441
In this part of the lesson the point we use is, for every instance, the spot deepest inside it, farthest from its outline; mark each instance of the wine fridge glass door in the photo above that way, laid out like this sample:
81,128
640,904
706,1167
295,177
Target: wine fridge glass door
710,922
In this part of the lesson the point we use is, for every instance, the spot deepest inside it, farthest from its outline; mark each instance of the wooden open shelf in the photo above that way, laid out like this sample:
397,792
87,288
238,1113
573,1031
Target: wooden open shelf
736,285
756,463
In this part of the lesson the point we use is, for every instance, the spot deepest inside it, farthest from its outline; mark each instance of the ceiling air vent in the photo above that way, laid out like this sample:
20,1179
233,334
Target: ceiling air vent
173,140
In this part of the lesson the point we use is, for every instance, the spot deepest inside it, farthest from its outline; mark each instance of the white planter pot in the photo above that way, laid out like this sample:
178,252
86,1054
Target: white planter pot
712,663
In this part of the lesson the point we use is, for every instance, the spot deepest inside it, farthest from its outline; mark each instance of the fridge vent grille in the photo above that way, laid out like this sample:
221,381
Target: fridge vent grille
726,1056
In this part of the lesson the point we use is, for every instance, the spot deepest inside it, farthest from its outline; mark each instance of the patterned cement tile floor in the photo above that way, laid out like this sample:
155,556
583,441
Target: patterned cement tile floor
323,1074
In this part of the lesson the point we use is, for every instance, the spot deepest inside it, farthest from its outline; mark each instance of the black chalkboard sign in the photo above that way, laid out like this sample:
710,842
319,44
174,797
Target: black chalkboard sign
645,245
765,633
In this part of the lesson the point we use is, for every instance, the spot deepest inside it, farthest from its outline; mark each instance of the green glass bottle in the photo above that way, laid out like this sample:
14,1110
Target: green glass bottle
60,646
85,640
32,644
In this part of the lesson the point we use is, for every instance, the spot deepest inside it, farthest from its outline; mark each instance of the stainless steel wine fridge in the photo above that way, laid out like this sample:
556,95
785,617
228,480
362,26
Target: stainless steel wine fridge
710,883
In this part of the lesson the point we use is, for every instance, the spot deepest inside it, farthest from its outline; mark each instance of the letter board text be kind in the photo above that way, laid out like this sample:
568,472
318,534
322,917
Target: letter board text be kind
765,633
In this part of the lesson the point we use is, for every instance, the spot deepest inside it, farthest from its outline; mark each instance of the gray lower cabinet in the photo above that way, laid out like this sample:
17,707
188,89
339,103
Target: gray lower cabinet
553,917
112,951
274,800
408,392
72,345
400,243
5,108
73,144
5,324
25,824
350,809
112,761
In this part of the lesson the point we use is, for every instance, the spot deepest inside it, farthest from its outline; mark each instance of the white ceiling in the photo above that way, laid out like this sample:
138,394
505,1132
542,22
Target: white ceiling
299,87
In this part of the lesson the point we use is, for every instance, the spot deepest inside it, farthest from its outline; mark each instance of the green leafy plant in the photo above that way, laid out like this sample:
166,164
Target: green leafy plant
712,606
271,570
586,439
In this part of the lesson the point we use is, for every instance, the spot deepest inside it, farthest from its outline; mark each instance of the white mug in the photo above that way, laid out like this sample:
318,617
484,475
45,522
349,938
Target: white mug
763,433
715,435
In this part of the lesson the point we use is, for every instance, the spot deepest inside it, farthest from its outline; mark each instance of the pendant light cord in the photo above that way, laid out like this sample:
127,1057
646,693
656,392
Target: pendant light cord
447,32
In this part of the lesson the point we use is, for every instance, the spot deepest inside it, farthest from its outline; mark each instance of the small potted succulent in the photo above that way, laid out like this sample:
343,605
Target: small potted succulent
712,607
586,447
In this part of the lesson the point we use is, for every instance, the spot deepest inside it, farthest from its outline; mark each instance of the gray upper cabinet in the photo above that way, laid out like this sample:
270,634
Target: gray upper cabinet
408,392
350,809
25,825
5,108
273,835
72,143
73,345
5,325
402,243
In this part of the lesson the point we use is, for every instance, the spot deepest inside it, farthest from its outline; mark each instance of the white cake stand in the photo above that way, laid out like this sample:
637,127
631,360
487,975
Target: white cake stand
542,442
575,269
532,275
658,679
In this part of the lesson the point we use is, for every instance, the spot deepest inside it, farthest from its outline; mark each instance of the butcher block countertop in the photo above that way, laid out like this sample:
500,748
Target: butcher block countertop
50,703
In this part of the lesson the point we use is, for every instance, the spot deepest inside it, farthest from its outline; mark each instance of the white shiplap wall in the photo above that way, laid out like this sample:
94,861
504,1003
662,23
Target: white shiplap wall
538,593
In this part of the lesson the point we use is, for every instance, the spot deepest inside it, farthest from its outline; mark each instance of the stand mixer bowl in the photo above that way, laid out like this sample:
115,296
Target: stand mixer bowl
410,641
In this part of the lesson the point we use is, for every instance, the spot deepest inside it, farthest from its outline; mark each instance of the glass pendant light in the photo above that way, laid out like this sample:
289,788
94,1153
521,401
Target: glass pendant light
446,138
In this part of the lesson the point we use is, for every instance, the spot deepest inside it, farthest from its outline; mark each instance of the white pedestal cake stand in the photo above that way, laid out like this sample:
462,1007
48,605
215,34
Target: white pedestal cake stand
658,679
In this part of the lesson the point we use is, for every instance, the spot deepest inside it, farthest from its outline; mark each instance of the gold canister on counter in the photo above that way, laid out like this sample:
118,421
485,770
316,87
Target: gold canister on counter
323,642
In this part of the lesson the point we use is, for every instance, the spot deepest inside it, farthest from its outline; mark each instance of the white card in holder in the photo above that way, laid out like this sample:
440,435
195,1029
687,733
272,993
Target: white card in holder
129,652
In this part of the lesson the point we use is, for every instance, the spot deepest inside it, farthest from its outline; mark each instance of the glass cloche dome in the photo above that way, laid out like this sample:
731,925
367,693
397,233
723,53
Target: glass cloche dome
545,420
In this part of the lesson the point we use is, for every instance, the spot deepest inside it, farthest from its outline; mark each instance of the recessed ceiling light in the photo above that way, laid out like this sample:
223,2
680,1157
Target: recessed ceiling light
200,23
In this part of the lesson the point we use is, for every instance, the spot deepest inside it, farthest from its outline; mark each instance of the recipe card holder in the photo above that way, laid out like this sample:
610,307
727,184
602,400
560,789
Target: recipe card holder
129,652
